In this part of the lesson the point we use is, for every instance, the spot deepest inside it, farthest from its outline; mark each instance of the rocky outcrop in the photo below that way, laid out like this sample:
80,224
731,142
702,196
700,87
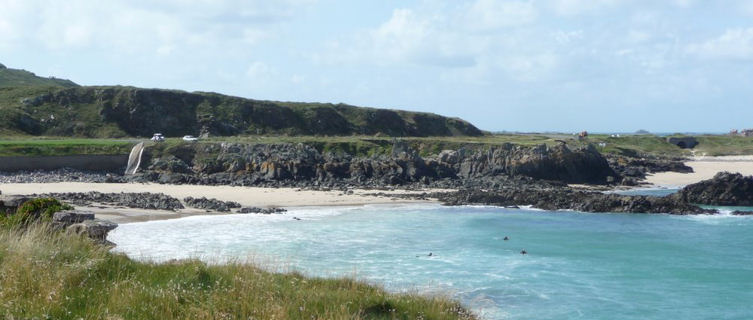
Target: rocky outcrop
94,229
257,210
725,189
568,199
10,203
142,200
632,169
211,204
83,222
59,175
303,165
558,163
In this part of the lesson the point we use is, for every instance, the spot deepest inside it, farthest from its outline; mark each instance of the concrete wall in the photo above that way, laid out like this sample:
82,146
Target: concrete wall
110,163
684,142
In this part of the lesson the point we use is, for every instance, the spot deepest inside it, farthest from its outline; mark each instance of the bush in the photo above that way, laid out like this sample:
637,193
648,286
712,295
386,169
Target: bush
31,211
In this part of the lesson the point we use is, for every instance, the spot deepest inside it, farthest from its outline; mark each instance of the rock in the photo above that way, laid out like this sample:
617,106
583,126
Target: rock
724,189
261,210
12,202
637,166
211,204
95,229
63,219
563,198
142,200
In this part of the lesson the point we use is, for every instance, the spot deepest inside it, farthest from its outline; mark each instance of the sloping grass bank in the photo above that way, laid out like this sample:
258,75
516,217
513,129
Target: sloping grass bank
53,275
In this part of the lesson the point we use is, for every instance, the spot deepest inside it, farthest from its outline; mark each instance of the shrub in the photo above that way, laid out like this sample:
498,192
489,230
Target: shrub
34,210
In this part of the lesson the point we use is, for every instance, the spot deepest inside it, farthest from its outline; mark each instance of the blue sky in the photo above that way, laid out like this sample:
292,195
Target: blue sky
558,65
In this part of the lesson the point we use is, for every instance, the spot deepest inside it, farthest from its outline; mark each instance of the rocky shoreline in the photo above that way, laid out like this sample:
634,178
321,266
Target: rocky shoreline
504,175
303,166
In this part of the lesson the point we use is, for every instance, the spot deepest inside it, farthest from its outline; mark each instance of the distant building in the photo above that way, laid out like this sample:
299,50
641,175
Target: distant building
683,142
746,133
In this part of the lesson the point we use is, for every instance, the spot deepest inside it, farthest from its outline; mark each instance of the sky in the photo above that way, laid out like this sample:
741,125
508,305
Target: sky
539,65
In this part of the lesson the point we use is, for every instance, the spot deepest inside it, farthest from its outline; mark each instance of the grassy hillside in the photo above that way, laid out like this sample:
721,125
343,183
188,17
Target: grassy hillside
23,78
52,275
106,112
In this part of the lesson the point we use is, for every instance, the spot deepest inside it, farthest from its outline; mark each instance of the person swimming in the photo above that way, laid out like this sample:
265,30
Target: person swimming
524,252
506,238
430,254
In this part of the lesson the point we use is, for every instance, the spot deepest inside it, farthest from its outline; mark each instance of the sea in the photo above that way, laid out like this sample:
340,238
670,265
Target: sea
577,266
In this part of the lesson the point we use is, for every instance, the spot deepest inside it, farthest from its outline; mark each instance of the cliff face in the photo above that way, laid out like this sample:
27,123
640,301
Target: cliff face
558,163
126,111
252,164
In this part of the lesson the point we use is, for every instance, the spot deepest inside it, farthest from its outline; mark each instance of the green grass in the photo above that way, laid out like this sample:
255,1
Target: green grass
53,275
724,145
23,78
23,146
361,145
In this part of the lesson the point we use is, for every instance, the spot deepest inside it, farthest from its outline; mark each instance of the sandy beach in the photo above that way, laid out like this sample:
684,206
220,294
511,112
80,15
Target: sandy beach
703,168
246,196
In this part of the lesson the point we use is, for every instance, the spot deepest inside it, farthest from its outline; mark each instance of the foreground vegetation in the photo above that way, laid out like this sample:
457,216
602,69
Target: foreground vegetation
48,274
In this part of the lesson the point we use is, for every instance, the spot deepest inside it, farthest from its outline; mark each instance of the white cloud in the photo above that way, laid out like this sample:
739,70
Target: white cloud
733,44
491,14
141,26
566,37
576,7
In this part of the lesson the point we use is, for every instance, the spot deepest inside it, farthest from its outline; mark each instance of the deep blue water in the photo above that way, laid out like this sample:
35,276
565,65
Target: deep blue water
582,266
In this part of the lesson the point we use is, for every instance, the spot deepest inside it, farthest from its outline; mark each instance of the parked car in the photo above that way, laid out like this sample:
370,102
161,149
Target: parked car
158,137
190,138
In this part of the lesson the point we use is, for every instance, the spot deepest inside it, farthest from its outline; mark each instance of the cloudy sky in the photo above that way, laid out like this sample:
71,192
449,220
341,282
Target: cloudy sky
560,65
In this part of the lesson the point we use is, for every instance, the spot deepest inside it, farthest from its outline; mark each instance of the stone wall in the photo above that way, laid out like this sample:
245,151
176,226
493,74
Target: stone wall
108,163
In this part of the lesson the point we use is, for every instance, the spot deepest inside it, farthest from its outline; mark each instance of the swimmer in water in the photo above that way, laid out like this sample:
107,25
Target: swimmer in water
506,238
524,252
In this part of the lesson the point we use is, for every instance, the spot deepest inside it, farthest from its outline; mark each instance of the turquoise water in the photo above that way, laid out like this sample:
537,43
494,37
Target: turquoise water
657,192
584,266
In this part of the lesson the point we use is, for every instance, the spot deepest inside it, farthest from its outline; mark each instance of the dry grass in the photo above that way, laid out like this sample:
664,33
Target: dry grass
50,275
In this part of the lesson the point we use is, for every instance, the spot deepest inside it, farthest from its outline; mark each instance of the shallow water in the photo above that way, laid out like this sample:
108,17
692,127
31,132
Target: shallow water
587,266
656,192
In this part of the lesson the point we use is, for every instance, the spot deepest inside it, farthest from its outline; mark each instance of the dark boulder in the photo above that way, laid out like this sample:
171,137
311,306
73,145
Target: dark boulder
563,198
725,189
211,204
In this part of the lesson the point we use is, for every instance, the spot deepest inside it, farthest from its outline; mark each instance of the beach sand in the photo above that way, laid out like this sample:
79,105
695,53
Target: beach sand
246,196
704,168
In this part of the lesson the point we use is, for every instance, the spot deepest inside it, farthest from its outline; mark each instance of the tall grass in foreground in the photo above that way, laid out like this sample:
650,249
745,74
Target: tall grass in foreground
53,275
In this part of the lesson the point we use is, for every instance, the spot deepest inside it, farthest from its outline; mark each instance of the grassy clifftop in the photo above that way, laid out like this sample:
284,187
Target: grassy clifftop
127,111
22,78
53,275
